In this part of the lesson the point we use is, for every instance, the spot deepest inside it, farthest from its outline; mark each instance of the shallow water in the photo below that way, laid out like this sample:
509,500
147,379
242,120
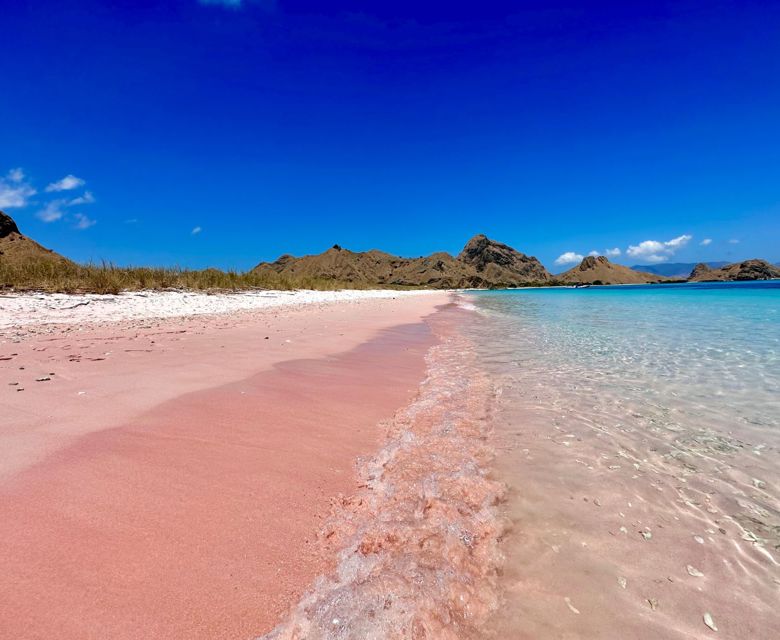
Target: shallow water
418,544
592,463
638,431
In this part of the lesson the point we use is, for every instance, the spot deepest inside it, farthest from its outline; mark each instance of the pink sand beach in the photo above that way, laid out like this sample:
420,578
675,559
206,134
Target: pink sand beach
169,477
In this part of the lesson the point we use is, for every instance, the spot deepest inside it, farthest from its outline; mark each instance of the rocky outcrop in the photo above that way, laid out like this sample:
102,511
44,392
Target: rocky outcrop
483,263
501,263
18,251
738,271
700,271
599,270
7,225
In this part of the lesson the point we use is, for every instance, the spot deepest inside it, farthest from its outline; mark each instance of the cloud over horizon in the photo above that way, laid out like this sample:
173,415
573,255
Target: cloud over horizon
87,198
15,191
83,222
570,257
654,251
51,212
66,184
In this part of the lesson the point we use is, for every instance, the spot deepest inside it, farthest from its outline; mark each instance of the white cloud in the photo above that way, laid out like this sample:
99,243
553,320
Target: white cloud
66,184
83,222
654,251
267,5
568,258
679,242
733,241
705,242
233,4
196,231
87,198
612,253
594,254
14,191
52,211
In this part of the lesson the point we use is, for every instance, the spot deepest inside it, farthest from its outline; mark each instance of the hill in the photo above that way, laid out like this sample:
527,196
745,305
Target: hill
738,271
20,252
599,270
679,270
481,263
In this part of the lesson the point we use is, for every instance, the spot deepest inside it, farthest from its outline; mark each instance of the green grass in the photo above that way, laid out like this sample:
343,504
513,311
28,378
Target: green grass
107,278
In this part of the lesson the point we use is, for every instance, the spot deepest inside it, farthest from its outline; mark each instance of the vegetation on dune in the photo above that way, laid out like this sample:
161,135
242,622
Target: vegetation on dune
44,275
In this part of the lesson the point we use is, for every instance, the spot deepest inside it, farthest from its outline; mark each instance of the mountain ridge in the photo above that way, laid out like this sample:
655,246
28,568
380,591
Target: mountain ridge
754,269
599,270
483,263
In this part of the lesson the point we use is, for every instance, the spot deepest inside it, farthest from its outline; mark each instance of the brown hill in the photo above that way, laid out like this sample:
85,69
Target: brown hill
482,263
746,270
599,270
497,262
18,251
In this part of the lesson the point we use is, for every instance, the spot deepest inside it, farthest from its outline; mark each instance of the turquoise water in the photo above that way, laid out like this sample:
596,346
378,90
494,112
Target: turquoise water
638,430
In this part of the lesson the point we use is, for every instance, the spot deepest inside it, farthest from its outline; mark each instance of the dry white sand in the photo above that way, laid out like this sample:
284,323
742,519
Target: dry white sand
24,309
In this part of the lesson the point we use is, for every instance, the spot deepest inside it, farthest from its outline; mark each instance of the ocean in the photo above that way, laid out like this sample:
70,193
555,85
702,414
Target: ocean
638,431
579,463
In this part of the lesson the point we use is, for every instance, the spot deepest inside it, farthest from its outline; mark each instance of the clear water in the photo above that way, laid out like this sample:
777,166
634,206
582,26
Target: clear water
579,463
638,431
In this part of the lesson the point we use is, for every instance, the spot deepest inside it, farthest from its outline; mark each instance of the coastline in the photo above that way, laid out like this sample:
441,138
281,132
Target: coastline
138,492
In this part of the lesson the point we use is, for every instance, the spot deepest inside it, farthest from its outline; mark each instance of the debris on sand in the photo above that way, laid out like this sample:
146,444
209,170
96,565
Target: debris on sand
709,621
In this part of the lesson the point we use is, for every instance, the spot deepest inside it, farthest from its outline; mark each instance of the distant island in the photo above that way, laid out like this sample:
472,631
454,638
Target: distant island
482,264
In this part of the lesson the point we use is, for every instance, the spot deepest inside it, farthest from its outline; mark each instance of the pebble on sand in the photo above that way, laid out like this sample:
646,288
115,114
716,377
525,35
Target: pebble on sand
709,621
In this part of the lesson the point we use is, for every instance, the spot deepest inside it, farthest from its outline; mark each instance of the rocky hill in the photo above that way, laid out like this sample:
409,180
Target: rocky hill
482,263
18,251
599,270
676,270
746,270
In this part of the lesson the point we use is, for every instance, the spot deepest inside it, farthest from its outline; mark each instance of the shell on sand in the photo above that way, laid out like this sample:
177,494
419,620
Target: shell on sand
709,621
693,571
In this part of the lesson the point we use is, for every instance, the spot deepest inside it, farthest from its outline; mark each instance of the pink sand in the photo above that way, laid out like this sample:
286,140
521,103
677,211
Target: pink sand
181,494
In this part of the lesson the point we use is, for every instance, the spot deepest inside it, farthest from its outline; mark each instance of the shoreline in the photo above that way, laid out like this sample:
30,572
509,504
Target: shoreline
151,501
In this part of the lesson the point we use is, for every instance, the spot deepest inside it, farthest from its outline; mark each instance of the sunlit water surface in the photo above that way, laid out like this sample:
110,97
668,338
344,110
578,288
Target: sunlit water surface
638,430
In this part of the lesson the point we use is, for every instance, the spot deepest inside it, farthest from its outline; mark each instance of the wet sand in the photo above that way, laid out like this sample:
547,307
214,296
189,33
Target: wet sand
181,495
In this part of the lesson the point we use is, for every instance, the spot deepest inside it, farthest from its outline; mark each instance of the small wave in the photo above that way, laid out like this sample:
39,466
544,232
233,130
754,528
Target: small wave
419,547
464,304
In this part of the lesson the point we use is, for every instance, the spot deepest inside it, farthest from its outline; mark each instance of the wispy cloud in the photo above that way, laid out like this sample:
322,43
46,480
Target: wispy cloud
613,253
87,198
15,191
706,242
231,4
654,251
52,211
66,184
83,222
568,258
196,231
267,5
733,241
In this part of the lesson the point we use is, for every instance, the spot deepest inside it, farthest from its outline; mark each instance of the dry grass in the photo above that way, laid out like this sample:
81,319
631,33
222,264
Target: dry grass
107,278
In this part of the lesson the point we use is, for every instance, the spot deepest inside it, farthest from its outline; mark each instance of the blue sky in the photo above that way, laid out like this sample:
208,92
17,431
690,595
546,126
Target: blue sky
224,133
